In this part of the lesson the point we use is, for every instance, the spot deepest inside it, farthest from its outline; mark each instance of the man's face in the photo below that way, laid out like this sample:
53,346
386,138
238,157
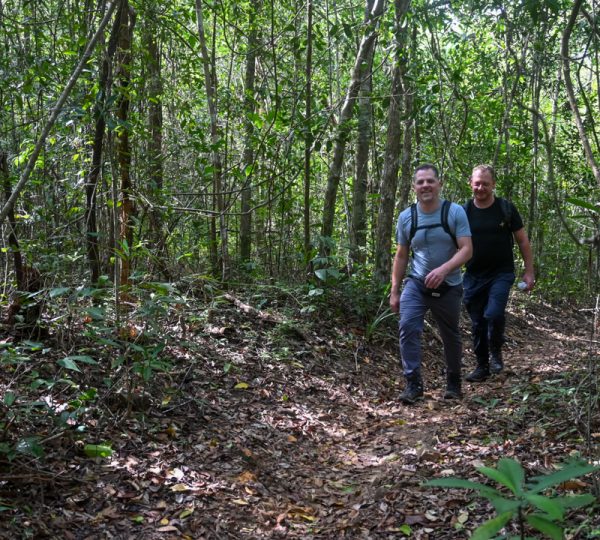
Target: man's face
427,186
483,186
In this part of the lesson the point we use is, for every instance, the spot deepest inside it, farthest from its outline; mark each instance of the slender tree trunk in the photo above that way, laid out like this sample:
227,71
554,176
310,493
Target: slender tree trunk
91,184
248,155
215,135
408,90
571,92
533,191
335,170
27,277
358,224
12,223
123,76
509,96
155,142
308,138
389,181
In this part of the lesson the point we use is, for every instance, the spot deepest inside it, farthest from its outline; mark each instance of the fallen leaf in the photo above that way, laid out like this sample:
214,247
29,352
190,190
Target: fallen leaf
168,528
574,485
414,519
187,512
246,477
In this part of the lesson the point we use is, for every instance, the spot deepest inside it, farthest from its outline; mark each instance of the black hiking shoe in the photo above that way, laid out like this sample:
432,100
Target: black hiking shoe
453,390
479,374
412,393
496,363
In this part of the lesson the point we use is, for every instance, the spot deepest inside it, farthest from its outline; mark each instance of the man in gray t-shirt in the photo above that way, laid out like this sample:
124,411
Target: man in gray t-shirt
439,248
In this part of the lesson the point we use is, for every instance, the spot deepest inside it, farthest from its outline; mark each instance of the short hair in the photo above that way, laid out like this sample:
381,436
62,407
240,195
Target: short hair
426,166
485,168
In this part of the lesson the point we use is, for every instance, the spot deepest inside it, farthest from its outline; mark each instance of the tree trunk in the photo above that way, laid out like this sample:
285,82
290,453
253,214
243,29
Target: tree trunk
123,77
248,155
308,138
91,184
389,181
12,222
215,135
571,92
335,170
155,143
23,310
358,225
406,172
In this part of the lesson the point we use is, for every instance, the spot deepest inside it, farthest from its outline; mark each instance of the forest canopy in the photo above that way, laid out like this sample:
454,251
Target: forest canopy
275,138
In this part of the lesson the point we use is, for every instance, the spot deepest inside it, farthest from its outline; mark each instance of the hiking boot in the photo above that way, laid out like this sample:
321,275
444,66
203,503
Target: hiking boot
496,363
453,390
479,374
413,391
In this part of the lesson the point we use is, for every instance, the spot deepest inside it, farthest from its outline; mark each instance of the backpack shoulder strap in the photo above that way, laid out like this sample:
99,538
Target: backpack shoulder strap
414,216
506,210
445,225
506,207
467,207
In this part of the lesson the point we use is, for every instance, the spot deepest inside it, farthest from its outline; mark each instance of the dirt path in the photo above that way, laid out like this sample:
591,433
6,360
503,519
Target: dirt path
268,430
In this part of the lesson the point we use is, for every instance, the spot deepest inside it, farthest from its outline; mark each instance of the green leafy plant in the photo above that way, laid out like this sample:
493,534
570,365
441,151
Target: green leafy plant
373,324
527,502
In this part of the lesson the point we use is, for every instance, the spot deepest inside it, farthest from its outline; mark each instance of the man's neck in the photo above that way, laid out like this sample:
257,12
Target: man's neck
484,204
429,206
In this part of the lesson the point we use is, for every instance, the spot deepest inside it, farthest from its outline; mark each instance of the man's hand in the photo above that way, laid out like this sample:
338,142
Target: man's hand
529,278
435,278
395,301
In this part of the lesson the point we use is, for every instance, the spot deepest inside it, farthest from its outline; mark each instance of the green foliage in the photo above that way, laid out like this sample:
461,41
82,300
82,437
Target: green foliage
526,501
97,450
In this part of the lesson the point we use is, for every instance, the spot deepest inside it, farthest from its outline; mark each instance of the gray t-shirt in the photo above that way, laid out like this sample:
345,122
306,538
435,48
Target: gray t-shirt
433,247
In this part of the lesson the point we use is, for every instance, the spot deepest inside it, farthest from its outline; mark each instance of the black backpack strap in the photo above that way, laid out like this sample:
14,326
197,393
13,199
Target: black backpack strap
507,216
506,210
414,216
445,225
413,221
467,206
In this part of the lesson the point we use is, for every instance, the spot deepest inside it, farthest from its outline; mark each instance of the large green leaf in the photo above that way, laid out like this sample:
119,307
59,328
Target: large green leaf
464,484
545,504
59,291
96,313
69,363
499,477
569,471
575,501
544,525
514,472
84,358
583,204
503,505
490,528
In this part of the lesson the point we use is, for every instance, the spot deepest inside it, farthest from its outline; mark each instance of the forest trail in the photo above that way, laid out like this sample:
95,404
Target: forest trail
267,429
